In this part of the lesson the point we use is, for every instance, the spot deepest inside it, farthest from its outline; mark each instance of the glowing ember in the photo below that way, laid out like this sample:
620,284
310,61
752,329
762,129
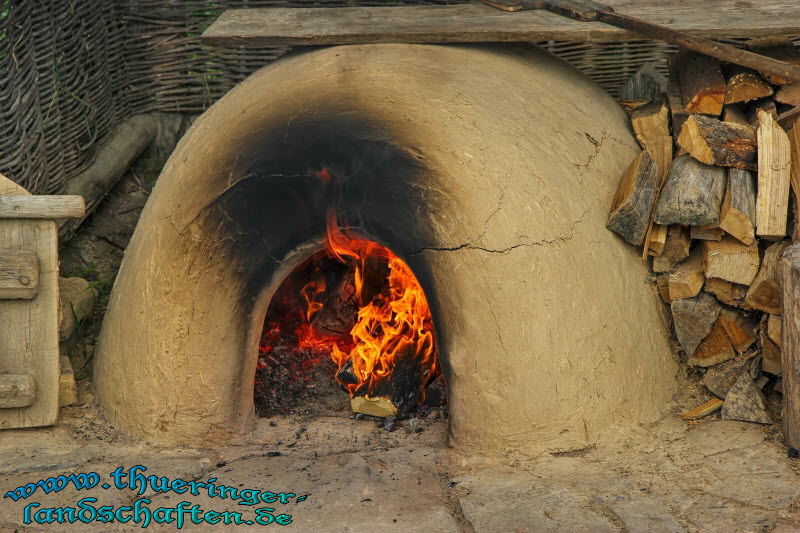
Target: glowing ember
358,305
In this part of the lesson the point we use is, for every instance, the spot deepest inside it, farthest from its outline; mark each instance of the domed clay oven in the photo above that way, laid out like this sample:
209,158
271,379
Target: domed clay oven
489,170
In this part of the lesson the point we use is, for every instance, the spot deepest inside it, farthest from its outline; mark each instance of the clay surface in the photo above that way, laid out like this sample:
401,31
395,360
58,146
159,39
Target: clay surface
554,338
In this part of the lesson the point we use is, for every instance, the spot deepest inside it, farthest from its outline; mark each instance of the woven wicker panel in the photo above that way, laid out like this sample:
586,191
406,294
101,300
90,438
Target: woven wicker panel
73,70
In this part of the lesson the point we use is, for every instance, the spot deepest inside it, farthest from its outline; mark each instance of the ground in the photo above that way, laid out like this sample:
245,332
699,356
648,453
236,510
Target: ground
711,476
672,476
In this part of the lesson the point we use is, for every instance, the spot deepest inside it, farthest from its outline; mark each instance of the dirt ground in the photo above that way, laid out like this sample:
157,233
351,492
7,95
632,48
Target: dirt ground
714,476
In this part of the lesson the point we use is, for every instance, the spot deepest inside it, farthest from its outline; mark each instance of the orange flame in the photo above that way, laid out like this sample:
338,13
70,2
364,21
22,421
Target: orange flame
394,324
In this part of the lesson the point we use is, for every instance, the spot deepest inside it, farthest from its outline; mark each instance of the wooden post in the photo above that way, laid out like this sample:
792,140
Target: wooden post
790,334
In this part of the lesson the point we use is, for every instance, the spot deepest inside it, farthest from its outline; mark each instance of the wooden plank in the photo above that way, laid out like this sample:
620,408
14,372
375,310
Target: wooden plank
17,390
19,275
480,23
50,207
29,338
790,333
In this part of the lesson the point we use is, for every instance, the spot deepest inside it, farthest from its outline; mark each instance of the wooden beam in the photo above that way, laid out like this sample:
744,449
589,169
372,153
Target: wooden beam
47,207
479,23
17,390
19,275
790,333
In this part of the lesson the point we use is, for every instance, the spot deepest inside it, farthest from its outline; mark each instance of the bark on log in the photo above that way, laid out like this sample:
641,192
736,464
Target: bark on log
126,143
731,260
715,142
644,86
765,291
745,85
706,233
774,167
692,194
790,270
677,111
633,202
738,213
702,86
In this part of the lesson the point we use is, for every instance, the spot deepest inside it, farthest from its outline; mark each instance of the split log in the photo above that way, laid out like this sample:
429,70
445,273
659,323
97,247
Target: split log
676,249
771,355
694,318
794,144
711,406
738,212
734,114
128,141
726,292
692,194
650,122
660,149
739,327
677,112
780,48
745,85
379,406
790,333
789,95
656,240
687,279
706,233
720,378
701,83
774,329
774,165
662,284
633,202
745,402
715,142
767,106
764,293
731,260
713,349
644,86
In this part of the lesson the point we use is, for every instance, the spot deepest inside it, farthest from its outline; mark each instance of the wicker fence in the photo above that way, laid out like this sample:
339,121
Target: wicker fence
75,68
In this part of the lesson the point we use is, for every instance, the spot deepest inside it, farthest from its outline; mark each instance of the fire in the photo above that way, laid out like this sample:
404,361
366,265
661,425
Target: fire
355,306
391,325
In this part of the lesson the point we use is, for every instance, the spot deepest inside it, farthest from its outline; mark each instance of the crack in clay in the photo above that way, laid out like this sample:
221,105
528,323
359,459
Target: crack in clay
471,246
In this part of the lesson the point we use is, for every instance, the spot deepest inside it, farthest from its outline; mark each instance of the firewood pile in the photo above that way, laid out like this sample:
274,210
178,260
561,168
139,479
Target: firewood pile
707,199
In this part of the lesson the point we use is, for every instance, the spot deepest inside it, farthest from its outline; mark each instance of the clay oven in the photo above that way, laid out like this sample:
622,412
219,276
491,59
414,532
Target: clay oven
488,169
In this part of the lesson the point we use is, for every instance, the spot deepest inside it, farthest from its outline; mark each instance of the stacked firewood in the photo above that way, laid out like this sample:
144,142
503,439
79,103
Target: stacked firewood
708,200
